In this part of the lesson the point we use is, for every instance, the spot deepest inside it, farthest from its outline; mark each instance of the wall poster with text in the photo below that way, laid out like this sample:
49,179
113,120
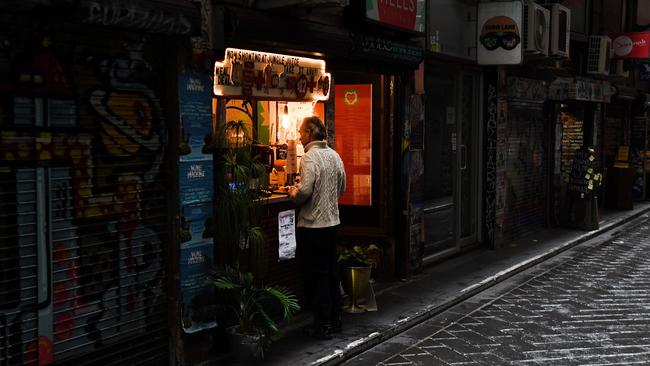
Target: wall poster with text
195,169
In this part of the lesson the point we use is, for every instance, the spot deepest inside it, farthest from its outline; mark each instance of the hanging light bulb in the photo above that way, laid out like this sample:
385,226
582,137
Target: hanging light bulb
285,117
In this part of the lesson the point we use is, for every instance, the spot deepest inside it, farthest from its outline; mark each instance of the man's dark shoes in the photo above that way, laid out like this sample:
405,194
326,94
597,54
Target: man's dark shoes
321,332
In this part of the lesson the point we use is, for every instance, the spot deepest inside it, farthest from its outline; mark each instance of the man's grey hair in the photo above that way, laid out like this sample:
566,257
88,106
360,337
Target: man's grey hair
316,127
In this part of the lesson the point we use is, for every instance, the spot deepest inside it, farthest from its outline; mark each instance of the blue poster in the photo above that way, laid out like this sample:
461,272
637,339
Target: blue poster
195,104
196,222
196,181
197,297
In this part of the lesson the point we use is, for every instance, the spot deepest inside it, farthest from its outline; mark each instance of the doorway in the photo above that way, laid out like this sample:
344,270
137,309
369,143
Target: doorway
452,162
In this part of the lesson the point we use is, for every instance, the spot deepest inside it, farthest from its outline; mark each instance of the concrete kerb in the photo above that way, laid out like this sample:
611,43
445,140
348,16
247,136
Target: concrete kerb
379,336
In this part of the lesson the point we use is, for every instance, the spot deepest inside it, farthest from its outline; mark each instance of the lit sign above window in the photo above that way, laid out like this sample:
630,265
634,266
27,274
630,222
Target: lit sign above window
270,76
403,14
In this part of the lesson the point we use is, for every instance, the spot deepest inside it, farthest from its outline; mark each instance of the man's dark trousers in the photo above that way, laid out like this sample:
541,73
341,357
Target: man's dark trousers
320,271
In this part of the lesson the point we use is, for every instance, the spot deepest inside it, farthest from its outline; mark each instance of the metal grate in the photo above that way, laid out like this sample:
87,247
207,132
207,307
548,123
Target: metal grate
83,210
525,164
18,267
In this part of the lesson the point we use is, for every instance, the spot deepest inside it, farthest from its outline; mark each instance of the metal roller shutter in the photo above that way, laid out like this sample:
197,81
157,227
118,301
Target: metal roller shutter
88,218
18,267
109,232
525,163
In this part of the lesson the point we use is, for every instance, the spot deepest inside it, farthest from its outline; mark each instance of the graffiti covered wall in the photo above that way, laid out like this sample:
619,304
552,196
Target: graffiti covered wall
86,114
490,143
521,162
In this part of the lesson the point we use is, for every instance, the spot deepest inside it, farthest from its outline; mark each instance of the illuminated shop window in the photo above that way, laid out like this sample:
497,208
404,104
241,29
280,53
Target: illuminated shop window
353,126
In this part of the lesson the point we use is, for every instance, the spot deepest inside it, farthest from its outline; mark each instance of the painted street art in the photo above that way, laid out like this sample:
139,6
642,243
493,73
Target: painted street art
490,164
525,166
135,15
106,192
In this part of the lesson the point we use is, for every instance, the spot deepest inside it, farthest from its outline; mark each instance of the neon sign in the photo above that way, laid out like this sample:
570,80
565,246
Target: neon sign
270,76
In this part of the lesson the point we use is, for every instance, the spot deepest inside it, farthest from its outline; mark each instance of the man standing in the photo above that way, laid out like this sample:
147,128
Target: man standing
322,182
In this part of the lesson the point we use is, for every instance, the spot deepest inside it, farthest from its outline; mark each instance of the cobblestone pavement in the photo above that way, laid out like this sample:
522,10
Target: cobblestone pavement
590,307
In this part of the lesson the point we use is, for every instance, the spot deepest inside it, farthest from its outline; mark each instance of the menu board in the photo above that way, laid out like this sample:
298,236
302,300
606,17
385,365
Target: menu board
287,234
583,178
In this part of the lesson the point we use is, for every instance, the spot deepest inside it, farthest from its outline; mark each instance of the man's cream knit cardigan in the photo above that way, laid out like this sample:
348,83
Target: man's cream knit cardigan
322,182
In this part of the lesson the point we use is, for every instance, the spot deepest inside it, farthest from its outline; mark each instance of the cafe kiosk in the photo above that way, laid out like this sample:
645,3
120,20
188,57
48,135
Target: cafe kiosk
271,94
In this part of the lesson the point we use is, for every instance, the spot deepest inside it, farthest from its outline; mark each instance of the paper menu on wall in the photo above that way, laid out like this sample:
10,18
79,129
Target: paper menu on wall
286,235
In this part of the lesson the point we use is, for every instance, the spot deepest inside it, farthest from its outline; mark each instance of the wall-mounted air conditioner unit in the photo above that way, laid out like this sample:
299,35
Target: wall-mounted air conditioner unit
617,68
598,55
537,21
560,30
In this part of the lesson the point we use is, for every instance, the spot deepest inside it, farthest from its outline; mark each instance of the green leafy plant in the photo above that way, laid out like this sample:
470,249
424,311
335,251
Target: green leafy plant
359,256
250,302
238,177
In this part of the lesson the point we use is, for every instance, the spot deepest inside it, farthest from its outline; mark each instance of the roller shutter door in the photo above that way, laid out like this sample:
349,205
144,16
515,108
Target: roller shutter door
83,207
525,163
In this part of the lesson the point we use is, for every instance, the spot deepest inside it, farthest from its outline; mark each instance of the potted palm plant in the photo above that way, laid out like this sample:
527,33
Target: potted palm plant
356,266
251,303
240,245
238,177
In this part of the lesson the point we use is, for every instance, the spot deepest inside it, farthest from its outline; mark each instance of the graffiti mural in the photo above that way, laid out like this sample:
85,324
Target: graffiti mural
490,164
137,16
107,197
525,164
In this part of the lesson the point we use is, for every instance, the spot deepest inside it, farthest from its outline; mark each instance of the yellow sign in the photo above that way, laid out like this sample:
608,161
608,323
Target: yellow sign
623,153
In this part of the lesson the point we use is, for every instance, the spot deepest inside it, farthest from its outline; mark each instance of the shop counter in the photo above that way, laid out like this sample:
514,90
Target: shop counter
277,272
275,198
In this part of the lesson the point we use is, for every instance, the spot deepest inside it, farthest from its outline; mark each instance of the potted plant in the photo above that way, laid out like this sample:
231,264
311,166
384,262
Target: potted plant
356,266
237,197
240,242
250,303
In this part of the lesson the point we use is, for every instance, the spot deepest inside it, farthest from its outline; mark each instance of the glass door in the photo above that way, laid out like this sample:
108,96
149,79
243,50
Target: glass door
452,160
468,172
440,164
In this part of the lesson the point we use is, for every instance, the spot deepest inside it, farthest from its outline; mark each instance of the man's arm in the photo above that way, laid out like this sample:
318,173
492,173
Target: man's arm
342,183
304,190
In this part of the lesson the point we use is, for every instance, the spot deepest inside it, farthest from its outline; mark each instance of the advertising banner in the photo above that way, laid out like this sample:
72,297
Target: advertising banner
196,181
630,45
197,297
405,14
500,33
196,222
270,76
195,103
195,169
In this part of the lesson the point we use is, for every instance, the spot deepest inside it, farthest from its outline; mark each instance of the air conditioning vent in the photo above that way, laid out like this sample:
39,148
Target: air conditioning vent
618,69
536,28
599,54
560,30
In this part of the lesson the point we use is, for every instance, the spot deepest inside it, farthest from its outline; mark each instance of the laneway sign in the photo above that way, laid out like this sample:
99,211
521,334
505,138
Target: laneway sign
631,45
499,33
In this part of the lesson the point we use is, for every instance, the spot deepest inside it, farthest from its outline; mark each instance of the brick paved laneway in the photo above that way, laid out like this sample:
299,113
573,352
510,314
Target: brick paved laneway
592,308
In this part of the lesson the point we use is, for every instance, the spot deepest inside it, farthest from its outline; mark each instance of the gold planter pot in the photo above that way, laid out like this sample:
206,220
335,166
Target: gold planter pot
355,282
